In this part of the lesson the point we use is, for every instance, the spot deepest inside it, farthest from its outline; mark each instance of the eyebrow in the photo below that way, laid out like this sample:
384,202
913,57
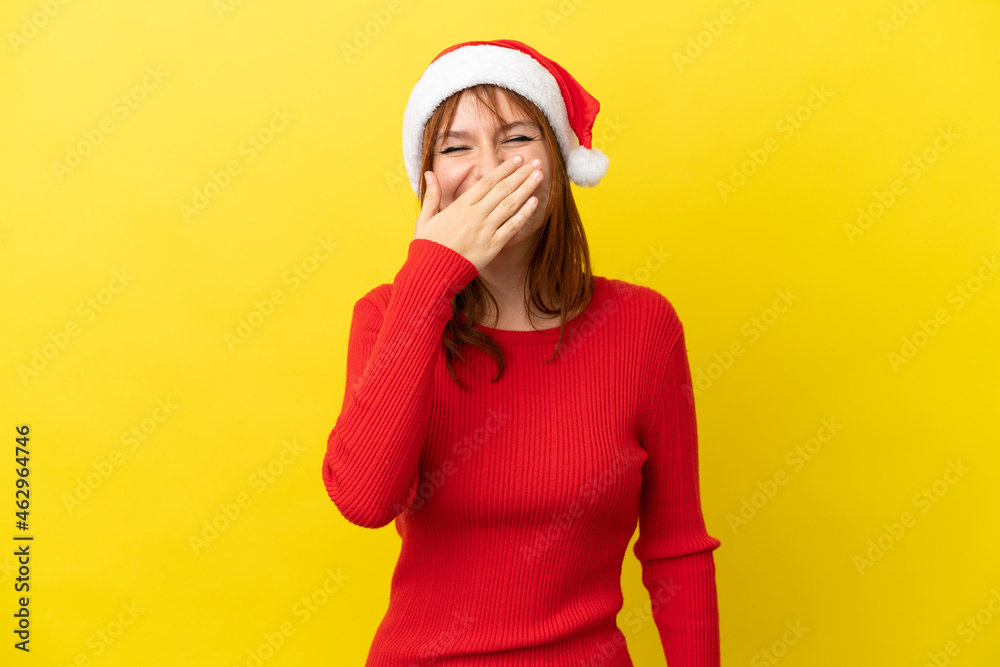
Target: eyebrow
461,134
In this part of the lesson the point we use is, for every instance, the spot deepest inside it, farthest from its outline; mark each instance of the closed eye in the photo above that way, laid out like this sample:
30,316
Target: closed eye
452,149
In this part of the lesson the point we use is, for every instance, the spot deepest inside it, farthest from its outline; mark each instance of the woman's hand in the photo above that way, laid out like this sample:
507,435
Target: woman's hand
484,217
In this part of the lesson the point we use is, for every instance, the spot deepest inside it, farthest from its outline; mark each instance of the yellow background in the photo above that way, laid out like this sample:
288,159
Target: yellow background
334,172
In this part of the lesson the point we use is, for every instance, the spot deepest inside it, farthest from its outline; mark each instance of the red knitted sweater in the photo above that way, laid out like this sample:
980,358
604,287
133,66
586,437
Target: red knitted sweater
516,500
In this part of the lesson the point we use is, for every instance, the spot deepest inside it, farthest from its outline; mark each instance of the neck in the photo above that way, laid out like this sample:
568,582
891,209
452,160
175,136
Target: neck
505,276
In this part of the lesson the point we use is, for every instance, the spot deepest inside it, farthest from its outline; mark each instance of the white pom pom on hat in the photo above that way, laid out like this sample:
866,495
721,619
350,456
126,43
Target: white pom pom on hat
516,66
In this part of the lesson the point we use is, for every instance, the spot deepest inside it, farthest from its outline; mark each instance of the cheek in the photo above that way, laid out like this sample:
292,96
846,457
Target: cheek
449,180
544,190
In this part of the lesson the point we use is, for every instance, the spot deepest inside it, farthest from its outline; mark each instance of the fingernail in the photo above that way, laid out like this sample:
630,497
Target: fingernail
518,159
536,163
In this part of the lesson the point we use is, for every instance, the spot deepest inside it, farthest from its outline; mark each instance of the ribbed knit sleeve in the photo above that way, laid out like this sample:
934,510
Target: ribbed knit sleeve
370,466
674,548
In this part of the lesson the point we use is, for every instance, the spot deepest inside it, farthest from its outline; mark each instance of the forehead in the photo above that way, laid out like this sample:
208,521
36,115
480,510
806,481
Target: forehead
472,116
472,111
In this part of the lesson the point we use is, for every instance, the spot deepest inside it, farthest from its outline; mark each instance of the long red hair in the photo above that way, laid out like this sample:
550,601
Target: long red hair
561,251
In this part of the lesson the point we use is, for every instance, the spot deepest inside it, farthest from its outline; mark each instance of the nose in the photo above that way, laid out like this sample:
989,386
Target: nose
488,161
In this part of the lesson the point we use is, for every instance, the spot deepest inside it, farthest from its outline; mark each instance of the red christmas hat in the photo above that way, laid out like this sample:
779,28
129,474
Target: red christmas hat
516,66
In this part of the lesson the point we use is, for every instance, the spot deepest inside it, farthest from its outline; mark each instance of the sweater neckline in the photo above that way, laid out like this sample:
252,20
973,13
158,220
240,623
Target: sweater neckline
550,335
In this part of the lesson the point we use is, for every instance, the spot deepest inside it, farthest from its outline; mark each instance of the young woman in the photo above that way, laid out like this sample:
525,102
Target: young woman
513,414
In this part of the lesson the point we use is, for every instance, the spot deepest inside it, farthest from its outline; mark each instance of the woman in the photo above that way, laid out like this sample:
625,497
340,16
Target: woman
517,458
